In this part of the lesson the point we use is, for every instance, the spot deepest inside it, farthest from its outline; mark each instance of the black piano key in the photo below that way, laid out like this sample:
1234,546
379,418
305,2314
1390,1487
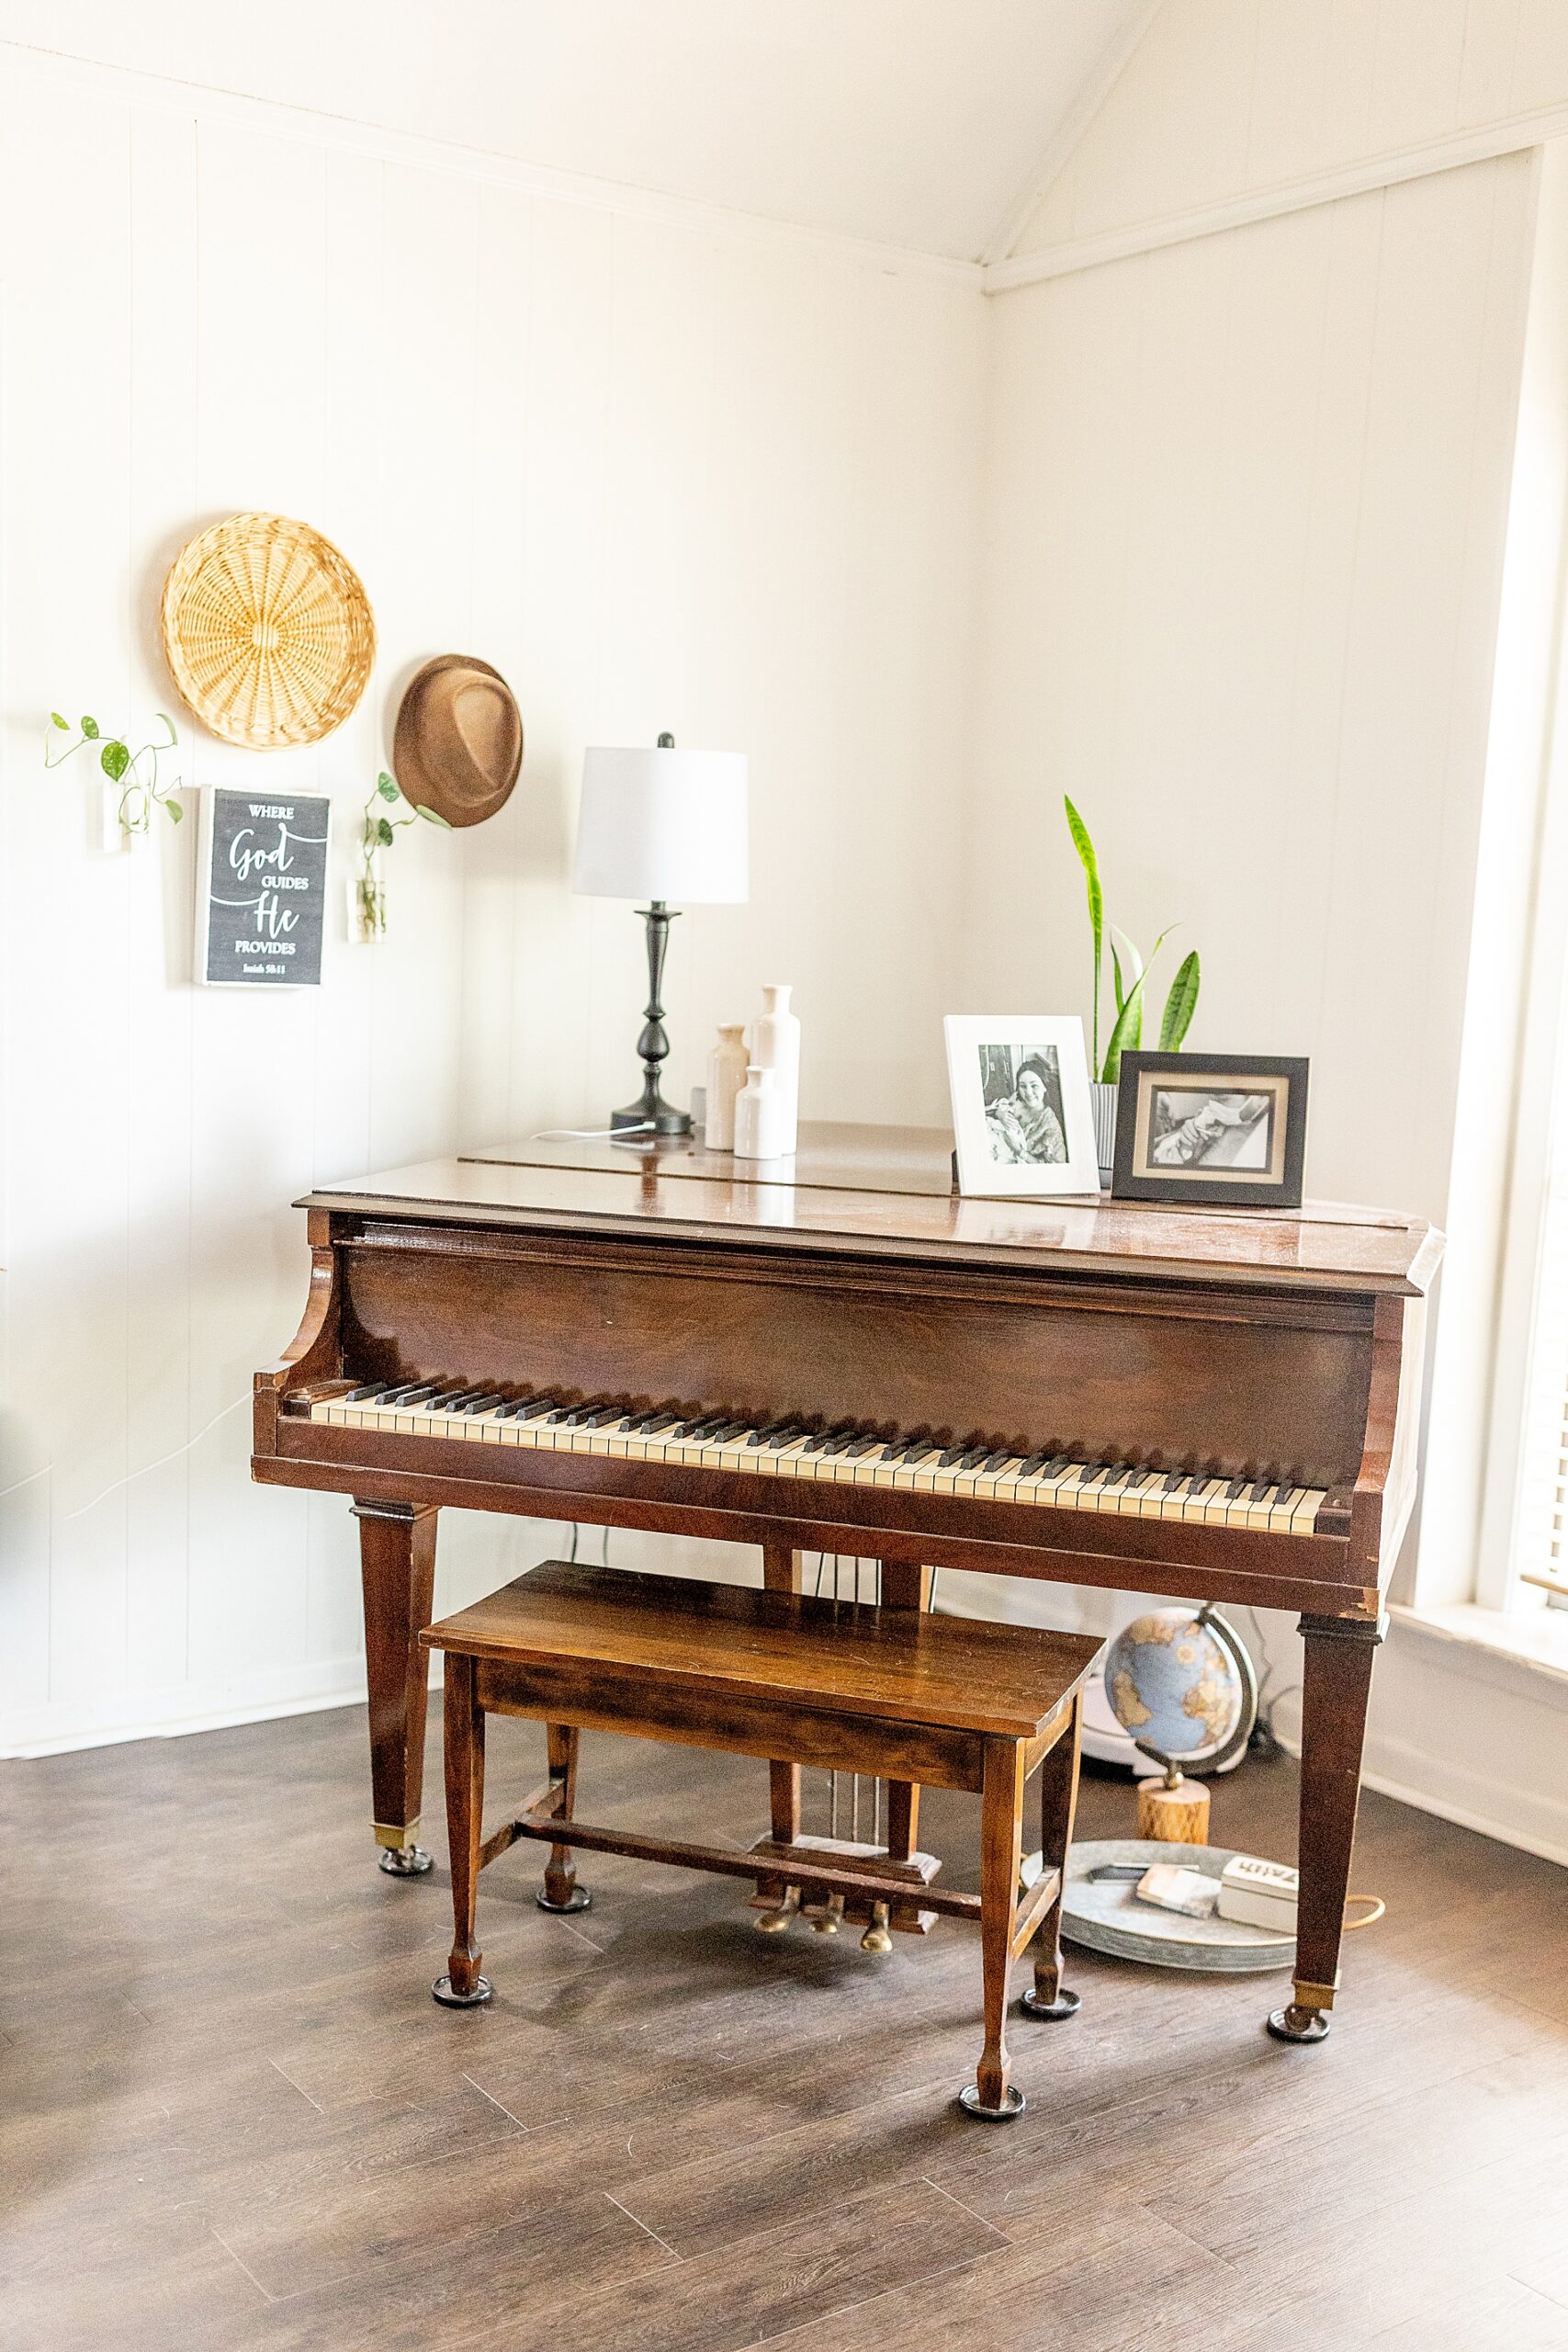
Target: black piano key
998,1461
973,1459
1032,1466
527,1408
1236,1488
861,1446
602,1418
789,1433
1058,1466
837,1441
418,1392
1115,1480
1095,1481
362,1396
482,1404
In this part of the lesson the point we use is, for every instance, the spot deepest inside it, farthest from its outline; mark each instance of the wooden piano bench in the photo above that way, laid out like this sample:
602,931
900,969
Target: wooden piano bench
944,1702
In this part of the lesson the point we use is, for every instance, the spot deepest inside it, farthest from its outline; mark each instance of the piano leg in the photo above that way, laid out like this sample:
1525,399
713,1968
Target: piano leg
1336,1685
463,1726
397,1558
560,1891
1048,1997
904,1585
781,1573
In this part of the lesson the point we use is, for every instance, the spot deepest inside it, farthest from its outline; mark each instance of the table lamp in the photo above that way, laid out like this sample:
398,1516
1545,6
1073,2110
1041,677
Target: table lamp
660,824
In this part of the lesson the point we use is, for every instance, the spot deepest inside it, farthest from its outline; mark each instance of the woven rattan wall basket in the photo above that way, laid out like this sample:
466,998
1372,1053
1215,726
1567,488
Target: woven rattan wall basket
267,630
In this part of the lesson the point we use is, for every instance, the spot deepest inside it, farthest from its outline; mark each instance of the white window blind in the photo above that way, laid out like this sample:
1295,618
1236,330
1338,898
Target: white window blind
1542,1552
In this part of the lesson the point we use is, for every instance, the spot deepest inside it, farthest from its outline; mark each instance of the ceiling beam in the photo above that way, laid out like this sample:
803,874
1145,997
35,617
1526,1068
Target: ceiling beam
1091,95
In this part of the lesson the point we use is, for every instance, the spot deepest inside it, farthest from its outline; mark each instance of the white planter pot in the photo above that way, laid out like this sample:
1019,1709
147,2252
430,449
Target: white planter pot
1103,1099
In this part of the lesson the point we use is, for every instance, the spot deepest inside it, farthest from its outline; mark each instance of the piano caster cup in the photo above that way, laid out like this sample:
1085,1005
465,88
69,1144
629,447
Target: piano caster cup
1013,2104
442,1992
580,1899
876,1938
1065,2004
1298,2024
405,1861
777,1921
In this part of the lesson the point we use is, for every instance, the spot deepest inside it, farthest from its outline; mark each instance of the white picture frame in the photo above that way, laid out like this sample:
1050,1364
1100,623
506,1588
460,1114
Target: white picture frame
1019,1083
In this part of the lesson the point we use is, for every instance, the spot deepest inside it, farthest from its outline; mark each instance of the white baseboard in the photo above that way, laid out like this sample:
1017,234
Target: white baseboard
1536,1822
186,1707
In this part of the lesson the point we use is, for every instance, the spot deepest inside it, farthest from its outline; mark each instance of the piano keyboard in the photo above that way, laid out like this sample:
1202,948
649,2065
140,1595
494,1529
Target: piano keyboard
844,1456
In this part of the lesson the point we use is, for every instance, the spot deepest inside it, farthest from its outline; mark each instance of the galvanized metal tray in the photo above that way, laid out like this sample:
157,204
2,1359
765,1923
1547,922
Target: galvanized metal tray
1107,1916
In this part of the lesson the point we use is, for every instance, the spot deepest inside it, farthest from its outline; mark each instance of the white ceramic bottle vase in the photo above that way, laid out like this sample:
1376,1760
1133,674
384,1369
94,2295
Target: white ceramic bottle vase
727,1076
757,1129
775,1045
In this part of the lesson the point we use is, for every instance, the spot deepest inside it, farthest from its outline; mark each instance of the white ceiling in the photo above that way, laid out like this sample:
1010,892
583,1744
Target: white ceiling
920,123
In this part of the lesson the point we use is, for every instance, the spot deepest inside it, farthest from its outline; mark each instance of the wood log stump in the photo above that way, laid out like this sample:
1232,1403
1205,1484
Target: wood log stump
1177,1816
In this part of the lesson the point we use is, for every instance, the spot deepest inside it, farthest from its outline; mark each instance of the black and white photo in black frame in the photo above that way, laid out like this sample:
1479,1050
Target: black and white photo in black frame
1021,1116
1212,1130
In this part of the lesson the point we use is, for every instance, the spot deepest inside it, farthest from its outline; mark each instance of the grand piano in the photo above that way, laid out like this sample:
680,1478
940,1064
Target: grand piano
839,1355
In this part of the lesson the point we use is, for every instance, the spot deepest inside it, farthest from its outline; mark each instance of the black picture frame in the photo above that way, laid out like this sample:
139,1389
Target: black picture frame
1136,1176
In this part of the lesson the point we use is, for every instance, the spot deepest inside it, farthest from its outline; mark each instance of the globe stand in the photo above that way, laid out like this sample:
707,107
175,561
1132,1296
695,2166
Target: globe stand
1173,1810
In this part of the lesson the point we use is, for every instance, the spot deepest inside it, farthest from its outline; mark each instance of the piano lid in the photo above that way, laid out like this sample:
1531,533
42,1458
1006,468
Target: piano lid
887,1192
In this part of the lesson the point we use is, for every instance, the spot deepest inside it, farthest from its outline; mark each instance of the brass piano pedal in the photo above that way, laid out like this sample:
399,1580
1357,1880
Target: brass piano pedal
830,1919
777,1921
876,1938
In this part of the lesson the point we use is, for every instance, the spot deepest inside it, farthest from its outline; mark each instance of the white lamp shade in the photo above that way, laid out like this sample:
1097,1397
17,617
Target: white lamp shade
662,824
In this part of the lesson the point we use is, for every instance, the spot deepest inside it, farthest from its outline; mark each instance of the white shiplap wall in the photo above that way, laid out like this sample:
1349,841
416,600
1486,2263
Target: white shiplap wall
661,476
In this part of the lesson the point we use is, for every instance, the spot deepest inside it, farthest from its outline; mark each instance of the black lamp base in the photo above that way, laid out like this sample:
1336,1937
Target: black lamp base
651,1117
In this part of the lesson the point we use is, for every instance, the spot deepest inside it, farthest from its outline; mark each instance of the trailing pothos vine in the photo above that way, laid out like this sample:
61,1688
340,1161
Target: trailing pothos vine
378,832
134,773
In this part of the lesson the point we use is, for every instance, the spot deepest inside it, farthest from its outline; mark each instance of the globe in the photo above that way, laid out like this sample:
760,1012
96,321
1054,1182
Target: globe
1180,1683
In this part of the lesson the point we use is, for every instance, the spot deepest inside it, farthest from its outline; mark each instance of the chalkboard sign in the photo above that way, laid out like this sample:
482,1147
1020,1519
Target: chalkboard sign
261,889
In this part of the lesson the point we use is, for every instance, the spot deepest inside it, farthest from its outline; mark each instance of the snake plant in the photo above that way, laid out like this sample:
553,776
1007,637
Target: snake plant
1128,974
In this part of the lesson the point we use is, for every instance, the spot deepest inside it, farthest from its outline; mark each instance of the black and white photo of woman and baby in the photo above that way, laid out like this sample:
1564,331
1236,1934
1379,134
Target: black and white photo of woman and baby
1022,1086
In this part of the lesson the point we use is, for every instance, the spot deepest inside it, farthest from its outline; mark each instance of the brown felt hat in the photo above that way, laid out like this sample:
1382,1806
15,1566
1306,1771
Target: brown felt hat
458,745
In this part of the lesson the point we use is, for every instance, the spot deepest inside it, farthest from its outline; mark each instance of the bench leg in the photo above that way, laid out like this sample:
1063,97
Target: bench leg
1001,1850
1048,1998
560,1891
463,1724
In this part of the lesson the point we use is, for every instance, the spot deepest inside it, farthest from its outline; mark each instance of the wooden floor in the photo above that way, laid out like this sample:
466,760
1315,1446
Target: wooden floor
232,2115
